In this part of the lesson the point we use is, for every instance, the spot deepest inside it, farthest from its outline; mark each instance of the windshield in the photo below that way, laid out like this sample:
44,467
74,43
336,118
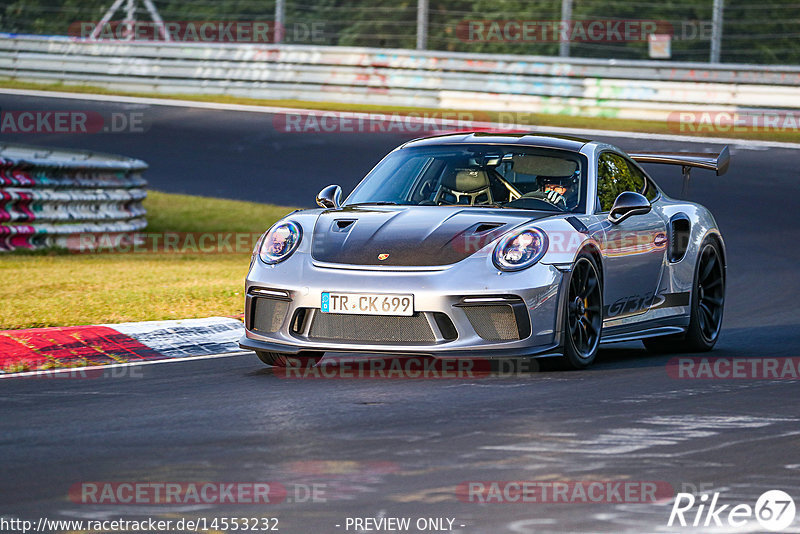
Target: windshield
477,175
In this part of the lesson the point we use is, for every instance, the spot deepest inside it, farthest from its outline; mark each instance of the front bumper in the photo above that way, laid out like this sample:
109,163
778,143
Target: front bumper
293,291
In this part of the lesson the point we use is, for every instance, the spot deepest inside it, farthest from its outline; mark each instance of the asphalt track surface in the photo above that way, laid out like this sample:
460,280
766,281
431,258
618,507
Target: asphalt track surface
399,448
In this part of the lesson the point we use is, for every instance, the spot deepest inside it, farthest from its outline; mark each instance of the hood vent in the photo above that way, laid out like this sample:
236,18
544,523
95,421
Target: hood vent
342,225
485,227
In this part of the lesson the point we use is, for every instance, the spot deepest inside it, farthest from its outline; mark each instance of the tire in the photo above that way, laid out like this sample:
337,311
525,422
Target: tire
707,306
583,317
302,359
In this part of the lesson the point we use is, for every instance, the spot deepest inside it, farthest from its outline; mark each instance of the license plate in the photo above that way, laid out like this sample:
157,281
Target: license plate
367,304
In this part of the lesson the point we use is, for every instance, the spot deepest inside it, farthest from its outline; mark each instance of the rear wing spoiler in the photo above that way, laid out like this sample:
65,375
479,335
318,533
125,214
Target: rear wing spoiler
713,162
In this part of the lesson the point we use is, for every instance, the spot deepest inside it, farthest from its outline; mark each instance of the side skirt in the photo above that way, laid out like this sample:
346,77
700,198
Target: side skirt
656,327
636,336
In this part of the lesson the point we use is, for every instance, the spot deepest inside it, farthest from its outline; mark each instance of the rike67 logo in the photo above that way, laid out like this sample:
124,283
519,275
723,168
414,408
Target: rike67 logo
774,510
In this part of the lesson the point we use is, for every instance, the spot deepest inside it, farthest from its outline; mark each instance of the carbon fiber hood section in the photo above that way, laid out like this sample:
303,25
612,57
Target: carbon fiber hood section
410,235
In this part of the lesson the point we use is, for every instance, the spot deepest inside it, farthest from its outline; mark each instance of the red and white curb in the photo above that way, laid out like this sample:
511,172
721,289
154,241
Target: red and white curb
37,350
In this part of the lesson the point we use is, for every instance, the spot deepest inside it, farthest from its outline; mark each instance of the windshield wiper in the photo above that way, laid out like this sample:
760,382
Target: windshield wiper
376,203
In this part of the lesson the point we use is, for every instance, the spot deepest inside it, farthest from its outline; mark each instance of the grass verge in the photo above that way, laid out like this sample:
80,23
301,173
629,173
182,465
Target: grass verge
64,289
533,119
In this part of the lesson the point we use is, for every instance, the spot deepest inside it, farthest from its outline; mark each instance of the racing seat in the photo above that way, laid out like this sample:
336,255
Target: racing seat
469,184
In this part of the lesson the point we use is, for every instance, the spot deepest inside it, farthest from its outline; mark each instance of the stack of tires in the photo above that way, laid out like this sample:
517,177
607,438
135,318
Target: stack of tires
52,198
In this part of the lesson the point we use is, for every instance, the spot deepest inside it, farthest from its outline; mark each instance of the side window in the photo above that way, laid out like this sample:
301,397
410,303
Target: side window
614,176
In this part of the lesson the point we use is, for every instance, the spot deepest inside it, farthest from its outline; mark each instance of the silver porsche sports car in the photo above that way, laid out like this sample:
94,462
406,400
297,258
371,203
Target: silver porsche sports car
479,245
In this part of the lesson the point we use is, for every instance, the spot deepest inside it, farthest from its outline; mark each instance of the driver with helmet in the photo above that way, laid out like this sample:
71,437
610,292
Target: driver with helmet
559,191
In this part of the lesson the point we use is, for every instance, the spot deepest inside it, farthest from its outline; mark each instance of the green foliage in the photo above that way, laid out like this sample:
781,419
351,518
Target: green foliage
614,177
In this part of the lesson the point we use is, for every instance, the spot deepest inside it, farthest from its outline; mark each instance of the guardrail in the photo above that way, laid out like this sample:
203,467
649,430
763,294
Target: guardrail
587,87
50,198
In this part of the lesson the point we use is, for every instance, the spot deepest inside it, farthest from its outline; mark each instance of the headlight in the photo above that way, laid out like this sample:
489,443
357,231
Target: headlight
519,250
279,242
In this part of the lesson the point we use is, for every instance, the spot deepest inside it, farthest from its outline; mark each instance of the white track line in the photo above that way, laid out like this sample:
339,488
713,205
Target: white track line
48,372
219,106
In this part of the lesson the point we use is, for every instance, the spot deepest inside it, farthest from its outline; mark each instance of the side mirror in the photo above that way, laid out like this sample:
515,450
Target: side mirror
627,204
330,197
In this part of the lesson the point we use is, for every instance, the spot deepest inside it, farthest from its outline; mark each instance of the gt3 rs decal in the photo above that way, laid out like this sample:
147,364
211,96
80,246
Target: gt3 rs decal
634,303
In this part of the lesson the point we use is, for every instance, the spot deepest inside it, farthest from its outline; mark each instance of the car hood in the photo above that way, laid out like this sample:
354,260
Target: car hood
410,235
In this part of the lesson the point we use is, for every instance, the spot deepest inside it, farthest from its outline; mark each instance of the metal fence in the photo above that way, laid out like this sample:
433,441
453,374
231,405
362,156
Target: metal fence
762,32
647,90
54,198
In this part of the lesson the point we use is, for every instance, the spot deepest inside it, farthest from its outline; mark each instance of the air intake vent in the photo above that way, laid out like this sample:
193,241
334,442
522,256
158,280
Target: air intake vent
446,326
268,314
493,323
372,328
679,233
497,318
